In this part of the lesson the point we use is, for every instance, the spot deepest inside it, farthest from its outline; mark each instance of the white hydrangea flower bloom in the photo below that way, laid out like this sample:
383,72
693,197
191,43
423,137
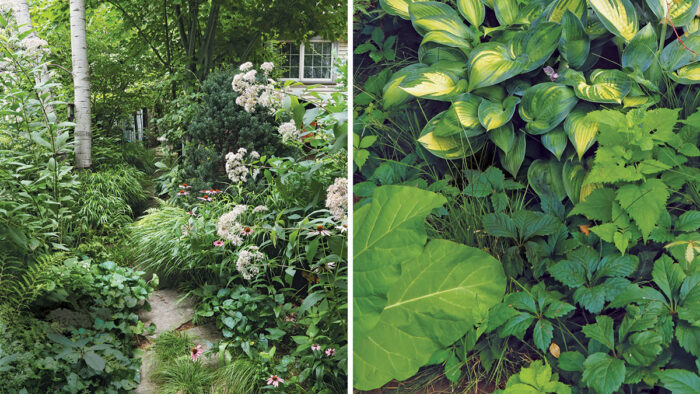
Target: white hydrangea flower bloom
250,261
246,66
287,130
337,199
229,227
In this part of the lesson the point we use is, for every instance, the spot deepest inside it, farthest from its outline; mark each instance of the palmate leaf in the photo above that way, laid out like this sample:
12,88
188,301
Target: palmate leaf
603,373
392,231
680,381
681,12
602,331
493,115
491,63
574,44
618,16
545,105
427,311
644,203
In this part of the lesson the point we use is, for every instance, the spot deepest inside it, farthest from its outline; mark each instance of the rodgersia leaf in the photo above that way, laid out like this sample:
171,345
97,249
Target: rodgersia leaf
603,373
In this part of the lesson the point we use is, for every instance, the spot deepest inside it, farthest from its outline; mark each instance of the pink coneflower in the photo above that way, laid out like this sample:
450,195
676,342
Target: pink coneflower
196,352
330,352
320,230
219,243
184,186
316,347
204,191
205,198
191,213
183,193
247,230
275,380
343,228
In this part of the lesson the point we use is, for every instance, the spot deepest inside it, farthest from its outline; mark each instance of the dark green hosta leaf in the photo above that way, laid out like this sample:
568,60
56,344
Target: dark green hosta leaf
680,381
513,159
555,141
506,11
472,10
577,7
603,373
640,52
675,55
572,176
430,307
493,115
682,12
574,44
618,16
605,86
392,232
545,105
500,225
545,178
491,63
541,41
503,137
393,95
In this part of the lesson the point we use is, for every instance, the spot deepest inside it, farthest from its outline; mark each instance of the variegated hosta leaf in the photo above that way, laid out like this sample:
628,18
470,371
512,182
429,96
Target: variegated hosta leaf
675,55
580,130
545,105
594,27
472,10
606,86
513,159
572,176
577,7
555,141
529,13
433,83
396,7
447,39
393,95
452,147
542,40
494,114
688,75
641,50
492,63
587,188
488,3
640,101
693,26
574,43
506,11
503,137
432,15
618,16
682,12
430,53
493,93
461,118
545,178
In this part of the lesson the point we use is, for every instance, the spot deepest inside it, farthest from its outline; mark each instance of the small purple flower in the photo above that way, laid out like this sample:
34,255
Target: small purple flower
553,75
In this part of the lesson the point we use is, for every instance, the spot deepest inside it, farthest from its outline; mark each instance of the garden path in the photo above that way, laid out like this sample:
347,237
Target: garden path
168,314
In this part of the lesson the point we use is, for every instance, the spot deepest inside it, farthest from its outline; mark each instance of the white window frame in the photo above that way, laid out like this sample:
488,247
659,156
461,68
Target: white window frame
334,51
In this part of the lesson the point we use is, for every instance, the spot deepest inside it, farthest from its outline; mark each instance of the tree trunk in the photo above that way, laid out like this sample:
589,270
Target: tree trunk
81,84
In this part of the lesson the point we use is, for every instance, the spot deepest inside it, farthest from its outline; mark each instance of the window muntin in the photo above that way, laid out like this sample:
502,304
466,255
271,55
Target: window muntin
311,61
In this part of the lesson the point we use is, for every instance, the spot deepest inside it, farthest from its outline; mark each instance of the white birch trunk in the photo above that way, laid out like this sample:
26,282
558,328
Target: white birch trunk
81,84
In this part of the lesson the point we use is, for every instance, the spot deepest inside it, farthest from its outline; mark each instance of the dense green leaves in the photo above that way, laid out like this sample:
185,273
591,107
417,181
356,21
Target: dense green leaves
546,105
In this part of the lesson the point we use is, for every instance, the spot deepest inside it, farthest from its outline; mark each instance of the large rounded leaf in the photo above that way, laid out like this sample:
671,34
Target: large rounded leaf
461,116
639,53
447,39
433,83
453,147
506,11
541,41
396,7
577,7
688,75
446,58
606,86
581,131
503,137
472,10
431,15
682,12
574,43
393,95
545,105
618,16
675,55
513,159
492,63
493,114
433,304
555,141
544,177
572,177
389,230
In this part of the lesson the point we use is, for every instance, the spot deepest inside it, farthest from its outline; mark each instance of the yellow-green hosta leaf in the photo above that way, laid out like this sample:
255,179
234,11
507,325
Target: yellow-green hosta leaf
492,63
472,10
436,16
529,13
580,130
513,159
461,118
447,39
577,7
393,95
675,55
453,147
396,7
555,141
542,40
572,177
641,50
494,114
693,26
574,44
503,137
433,83
688,75
640,101
606,86
493,93
430,53
682,12
506,11
488,3
545,105
618,16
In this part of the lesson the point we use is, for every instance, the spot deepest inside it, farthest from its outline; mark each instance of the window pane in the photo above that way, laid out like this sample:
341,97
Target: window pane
317,60
290,67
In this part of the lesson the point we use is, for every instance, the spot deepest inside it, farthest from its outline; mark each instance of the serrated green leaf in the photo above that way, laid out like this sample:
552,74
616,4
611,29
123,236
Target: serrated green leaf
597,205
644,203
689,221
542,334
500,225
680,381
571,361
602,331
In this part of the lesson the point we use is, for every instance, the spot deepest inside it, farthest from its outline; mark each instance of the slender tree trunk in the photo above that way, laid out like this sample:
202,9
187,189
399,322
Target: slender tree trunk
81,84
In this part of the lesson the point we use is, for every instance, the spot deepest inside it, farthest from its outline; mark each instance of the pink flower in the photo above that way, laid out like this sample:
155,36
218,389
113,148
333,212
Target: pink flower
343,229
247,230
184,186
549,71
275,380
191,213
183,193
330,352
219,243
205,198
320,230
196,352
316,347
